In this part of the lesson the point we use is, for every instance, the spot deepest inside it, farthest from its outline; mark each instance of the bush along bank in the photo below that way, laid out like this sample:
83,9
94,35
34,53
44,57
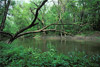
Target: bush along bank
15,56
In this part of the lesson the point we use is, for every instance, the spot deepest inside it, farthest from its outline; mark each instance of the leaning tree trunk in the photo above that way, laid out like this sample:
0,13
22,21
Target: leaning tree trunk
2,25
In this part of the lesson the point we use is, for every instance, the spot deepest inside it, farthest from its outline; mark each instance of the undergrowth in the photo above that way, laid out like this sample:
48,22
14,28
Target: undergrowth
18,56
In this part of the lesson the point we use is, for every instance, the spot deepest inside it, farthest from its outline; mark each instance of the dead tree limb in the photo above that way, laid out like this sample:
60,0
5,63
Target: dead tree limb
44,29
38,31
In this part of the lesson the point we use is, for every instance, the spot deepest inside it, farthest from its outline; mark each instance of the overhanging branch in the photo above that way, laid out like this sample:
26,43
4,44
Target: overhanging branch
1,32
44,29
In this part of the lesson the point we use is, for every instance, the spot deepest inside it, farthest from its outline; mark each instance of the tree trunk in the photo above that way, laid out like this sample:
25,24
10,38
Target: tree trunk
2,26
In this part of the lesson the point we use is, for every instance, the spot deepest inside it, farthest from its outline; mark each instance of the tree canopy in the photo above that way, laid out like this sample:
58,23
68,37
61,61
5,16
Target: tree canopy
60,17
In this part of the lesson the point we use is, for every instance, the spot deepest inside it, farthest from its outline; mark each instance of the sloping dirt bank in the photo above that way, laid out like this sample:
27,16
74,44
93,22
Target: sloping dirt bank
89,37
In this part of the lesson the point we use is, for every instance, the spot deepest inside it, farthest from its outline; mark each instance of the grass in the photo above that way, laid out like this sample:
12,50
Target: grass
17,56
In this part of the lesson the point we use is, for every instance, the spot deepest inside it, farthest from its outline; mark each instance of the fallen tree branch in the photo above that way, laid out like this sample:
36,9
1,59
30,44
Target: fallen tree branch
43,30
38,31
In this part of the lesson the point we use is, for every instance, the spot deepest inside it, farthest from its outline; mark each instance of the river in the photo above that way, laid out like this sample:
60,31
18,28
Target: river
62,45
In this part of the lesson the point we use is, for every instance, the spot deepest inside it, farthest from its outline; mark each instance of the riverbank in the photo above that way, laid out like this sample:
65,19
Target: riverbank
76,37
87,36
72,38
17,56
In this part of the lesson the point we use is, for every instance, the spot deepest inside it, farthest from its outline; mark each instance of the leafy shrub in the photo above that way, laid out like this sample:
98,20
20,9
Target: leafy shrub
14,56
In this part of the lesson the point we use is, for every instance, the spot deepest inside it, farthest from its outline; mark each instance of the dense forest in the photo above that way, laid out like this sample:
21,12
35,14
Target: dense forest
35,18
62,17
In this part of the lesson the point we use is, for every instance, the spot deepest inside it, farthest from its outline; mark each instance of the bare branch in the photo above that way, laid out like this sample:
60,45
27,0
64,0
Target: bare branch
38,31
34,15
44,29
36,4
1,32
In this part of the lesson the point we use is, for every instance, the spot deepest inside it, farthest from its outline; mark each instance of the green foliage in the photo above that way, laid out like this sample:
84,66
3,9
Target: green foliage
15,56
21,16
83,15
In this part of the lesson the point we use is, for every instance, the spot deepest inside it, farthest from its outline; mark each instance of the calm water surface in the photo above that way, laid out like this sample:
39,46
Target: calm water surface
62,45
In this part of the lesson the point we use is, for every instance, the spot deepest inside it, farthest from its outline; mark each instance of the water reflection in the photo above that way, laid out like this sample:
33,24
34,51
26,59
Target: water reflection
62,45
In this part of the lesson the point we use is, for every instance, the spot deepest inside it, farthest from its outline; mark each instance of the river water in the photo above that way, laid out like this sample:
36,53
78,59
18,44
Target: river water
62,45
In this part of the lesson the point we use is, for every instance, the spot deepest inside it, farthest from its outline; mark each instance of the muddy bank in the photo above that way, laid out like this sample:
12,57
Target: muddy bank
76,37
88,36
